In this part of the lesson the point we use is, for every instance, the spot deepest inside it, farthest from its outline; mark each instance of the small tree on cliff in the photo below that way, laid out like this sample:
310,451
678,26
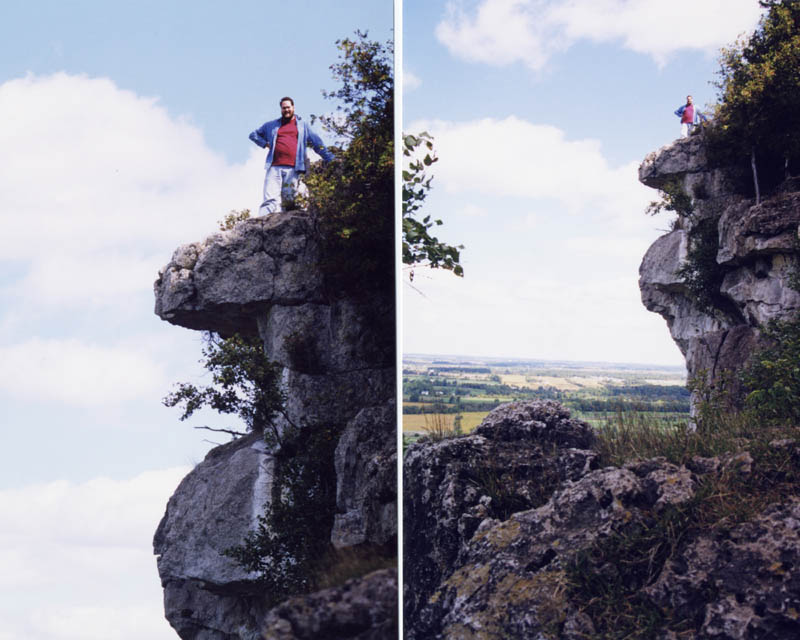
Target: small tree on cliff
758,117
354,197
243,382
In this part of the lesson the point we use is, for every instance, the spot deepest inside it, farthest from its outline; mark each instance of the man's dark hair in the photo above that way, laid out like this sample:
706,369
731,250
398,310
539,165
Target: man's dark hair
286,98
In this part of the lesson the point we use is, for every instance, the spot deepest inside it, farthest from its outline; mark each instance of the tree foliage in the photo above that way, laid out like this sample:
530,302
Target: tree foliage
291,544
419,246
353,196
700,272
243,382
772,376
759,89
673,198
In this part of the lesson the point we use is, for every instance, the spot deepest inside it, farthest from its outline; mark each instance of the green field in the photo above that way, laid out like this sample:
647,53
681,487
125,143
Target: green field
595,392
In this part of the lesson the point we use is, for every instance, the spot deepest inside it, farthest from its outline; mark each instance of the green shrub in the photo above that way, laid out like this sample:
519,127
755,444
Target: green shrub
772,375
758,118
701,274
353,196
672,197
243,382
233,218
290,547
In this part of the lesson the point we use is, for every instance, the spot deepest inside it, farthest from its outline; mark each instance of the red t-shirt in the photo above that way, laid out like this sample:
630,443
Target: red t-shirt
688,114
285,152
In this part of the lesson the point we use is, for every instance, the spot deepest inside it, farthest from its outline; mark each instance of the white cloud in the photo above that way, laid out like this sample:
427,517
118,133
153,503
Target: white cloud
411,81
100,623
79,374
98,183
501,32
552,270
98,186
475,211
538,161
88,548
524,314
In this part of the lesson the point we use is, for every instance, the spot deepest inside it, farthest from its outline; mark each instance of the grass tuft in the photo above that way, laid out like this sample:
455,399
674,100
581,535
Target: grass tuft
747,463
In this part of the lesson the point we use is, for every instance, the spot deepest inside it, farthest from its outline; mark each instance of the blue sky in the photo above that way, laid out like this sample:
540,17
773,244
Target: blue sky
542,111
124,134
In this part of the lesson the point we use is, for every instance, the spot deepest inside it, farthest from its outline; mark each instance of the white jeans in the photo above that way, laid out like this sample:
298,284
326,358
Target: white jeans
686,129
281,184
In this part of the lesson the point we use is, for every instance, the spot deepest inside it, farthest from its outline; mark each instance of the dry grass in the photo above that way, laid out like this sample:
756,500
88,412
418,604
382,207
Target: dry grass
758,464
469,420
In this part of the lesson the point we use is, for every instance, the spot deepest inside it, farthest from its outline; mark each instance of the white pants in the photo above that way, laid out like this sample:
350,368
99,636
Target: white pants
281,184
686,129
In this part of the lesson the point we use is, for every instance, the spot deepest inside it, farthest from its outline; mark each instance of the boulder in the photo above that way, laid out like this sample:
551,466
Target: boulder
206,594
362,609
513,461
511,580
676,160
741,582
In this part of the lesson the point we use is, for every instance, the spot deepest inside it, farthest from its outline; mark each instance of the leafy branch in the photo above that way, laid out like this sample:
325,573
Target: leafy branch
419,246
244,383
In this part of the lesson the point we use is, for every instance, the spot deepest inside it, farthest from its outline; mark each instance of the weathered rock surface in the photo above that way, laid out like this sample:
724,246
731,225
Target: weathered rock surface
513,575
222,497
513,461
262,278
742,584
366,478
757,249
511,581
217,284
362,609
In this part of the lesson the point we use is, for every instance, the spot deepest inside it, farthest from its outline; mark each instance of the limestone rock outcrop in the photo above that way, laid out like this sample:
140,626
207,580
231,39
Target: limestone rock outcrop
366,478
513,461
475,571
206,594
263,278
362,609
757,255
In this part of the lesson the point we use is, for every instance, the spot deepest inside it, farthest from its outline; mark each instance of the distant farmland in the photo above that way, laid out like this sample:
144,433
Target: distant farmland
594,392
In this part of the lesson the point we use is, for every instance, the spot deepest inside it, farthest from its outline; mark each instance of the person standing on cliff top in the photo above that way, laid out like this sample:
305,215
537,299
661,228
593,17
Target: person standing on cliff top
286,138
690,116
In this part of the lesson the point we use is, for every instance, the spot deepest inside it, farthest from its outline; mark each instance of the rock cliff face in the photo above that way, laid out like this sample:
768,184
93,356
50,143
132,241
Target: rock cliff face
501,525
756,255
263,278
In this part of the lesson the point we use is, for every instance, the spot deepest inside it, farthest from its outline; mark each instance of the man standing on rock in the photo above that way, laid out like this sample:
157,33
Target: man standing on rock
286,138
690,116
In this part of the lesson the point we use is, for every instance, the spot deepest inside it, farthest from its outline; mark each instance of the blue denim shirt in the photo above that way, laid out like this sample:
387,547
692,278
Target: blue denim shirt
267,133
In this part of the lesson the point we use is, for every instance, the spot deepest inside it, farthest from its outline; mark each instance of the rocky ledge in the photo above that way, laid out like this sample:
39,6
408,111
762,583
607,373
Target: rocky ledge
263,278
757,255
